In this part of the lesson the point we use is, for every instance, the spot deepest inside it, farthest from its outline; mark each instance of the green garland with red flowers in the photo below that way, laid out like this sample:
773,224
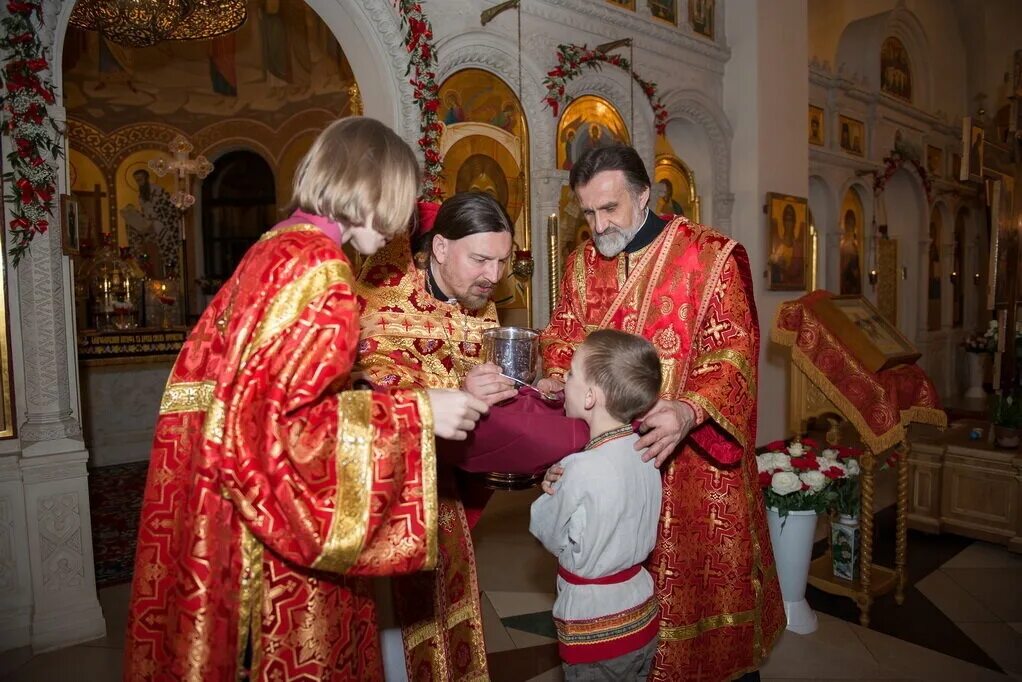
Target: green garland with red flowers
895,161
422,61
571,59
27,91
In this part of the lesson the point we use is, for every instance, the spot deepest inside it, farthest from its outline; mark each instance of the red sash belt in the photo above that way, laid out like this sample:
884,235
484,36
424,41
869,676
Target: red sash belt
612,579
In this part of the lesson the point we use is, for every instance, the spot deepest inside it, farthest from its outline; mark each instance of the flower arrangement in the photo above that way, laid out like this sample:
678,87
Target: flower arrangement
423,61
570,61
982,343
27,92
795,478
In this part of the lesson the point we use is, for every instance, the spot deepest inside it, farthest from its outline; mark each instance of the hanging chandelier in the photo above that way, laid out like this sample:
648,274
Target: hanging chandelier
141,23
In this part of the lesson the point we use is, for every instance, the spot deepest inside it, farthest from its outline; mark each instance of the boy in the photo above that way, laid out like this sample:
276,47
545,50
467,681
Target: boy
600,517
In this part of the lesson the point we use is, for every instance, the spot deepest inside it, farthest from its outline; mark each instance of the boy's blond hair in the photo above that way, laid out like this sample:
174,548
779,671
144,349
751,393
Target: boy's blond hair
626,368
358,168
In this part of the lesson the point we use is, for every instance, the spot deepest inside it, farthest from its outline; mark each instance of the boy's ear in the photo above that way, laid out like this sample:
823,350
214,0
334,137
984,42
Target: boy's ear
590,401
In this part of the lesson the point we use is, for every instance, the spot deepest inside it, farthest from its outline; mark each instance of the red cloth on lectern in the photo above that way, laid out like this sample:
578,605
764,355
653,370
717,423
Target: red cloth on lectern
878,404
523,436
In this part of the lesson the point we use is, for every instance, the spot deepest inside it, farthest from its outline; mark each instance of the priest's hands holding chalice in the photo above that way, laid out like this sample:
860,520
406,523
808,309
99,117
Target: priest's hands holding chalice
455,413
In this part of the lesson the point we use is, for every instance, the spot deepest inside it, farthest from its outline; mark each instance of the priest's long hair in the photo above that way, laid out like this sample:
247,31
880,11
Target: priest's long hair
462,215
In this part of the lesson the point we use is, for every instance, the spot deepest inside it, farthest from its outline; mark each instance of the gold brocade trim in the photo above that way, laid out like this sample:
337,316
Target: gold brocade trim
580,280
668,370
732,357
302,227
289,303
427,445
693,630
216,421
757,575
250,597
717,416
423,326
415,636
354,466
924,415
189,396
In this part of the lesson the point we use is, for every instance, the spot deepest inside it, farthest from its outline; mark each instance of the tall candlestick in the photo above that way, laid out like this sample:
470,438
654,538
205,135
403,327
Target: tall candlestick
553,259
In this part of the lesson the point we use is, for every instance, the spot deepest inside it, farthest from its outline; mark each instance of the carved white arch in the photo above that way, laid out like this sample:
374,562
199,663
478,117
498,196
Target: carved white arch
498,55
612,84
699,109
858,50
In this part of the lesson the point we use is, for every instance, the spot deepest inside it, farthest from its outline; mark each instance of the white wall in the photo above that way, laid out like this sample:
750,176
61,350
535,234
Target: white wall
766,92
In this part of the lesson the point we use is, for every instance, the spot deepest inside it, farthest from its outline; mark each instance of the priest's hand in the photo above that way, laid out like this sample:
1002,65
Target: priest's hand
664,427
455,413
551,476
486,383
550,385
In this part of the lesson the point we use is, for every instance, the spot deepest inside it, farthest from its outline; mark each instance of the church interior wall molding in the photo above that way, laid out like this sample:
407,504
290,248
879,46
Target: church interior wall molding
704,112
673,43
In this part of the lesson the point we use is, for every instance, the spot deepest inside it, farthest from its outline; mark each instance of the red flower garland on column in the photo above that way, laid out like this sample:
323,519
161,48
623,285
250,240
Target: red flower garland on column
571,59
31,181
422,53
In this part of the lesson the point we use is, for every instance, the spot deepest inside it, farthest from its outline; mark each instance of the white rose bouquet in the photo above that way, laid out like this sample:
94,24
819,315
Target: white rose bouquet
799,476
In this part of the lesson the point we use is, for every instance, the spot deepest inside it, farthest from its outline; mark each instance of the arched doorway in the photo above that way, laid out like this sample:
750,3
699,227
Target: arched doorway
905,212
239,203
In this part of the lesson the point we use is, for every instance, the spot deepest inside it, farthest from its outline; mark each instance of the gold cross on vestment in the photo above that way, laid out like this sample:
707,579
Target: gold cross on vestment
662,572
715,330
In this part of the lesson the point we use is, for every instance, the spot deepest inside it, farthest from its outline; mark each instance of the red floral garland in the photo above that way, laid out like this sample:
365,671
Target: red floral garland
891,164
27,90
570,61
419,43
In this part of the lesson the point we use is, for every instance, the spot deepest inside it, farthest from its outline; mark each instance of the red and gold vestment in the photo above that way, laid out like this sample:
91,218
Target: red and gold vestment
690,294
410,339
273,493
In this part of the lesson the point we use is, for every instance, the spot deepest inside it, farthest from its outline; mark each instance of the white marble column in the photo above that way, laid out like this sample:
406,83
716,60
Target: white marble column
44,496
546,186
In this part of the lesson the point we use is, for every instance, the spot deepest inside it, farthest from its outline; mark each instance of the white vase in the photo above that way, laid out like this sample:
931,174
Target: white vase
792,538
975,362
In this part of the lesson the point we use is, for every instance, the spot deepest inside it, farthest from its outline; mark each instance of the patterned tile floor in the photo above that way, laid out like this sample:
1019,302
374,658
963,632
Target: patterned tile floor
962,620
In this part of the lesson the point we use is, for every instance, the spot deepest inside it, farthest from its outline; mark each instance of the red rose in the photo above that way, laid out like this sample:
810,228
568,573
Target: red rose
20,224
42,226
777,445
433,105
807,462
24,147
832,473
764,478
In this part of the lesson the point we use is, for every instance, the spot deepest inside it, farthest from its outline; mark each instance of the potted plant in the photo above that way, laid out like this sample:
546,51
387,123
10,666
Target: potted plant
796,491
1006,415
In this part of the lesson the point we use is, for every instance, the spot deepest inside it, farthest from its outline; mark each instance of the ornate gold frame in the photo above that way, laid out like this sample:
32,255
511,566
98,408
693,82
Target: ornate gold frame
679,166
7,426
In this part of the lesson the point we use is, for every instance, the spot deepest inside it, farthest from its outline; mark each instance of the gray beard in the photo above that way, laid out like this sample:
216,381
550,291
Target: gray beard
614,239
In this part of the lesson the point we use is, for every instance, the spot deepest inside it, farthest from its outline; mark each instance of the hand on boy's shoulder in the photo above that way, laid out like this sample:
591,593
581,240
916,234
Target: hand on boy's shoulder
663,429
553,474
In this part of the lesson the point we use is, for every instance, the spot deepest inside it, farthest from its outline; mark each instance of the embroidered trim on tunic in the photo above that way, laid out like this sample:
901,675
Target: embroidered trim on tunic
599,639
354,463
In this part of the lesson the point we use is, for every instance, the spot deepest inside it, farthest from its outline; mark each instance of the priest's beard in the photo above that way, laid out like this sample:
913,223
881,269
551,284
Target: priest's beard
614,239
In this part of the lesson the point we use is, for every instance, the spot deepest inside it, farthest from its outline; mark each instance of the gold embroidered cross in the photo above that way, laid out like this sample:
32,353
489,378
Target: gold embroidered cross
662,572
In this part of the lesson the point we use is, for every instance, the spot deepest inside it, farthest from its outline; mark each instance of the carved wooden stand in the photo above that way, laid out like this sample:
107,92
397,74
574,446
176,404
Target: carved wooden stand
808,401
